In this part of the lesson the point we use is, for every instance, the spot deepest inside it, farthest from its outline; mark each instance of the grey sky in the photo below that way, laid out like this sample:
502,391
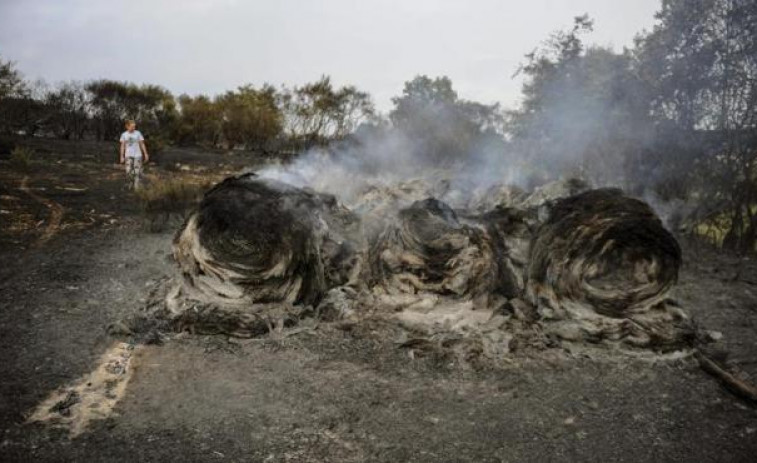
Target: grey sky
210,46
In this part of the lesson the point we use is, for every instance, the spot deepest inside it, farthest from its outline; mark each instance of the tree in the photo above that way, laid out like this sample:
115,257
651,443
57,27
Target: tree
109,111
11,83
352,108
19,112
198,123
113,102
442,126
584,111
316,113
250,117
69,107
701,61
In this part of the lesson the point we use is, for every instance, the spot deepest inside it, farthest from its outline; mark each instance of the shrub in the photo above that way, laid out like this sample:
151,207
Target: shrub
156,144
21,156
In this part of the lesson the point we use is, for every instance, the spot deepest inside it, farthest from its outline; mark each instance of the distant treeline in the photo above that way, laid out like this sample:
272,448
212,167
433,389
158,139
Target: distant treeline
252,118
673,118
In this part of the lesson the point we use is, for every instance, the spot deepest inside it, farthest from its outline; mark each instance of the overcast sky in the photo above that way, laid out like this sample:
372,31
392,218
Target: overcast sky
209,46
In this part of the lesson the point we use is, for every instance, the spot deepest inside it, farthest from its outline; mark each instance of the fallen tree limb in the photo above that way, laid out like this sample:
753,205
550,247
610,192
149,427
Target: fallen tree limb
732,383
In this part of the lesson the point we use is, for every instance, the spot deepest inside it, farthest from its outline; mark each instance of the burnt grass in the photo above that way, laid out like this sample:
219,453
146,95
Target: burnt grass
331,392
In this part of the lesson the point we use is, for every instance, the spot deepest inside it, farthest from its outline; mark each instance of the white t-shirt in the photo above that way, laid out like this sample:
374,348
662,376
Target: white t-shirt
132,140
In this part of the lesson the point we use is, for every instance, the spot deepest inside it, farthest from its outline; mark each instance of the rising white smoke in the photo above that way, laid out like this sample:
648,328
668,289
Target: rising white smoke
383,157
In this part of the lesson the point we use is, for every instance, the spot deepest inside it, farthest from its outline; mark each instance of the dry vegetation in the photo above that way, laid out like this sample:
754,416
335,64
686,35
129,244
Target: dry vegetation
21,157
165,200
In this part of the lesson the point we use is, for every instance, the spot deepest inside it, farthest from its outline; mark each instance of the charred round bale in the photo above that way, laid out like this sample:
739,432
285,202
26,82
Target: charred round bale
603,250
254,241
600,269
510,231
427,249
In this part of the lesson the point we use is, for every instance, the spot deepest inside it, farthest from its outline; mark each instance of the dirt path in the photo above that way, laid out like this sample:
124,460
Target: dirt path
56,213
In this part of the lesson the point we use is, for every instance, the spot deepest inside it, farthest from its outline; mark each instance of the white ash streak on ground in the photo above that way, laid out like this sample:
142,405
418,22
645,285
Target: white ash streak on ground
94,396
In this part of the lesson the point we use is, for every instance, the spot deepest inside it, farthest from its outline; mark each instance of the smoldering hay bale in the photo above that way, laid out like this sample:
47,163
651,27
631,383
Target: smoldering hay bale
605,250
378,204
510,231
495,196
595,266
254,244
427,249
553,191
605,262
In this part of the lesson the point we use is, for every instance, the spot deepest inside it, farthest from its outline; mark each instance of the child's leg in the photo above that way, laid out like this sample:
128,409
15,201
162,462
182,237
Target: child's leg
129,171
137,172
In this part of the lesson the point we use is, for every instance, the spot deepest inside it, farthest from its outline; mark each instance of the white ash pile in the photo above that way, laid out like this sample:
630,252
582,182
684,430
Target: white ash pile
575,265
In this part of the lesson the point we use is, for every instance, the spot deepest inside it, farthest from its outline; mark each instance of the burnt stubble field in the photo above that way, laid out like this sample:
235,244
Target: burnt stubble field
80,253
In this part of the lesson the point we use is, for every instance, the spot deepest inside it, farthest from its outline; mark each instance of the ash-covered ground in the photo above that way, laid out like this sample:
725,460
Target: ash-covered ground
78,258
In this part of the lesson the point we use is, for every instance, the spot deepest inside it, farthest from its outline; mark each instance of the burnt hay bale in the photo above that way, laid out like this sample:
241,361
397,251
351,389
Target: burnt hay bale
257,241
259,253
495,196
554,191
600,268
427,249
604,250
510,232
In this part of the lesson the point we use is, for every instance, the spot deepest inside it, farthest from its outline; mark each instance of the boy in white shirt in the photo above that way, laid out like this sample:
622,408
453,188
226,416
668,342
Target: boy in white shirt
132,150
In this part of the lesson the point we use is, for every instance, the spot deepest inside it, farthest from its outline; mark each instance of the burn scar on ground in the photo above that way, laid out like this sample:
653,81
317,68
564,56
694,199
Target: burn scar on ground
94,396
56,212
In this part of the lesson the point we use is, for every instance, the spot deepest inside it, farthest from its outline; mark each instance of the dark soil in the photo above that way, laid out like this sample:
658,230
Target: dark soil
334,392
